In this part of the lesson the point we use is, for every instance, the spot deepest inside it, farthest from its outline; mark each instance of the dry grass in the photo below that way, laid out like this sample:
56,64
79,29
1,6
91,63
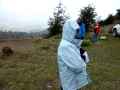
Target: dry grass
36,68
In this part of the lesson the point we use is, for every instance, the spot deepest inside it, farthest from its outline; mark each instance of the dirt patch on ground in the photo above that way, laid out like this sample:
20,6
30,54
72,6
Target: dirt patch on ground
23,44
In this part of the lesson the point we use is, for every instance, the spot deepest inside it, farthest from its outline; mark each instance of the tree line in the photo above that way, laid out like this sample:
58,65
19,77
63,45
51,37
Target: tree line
22,35
87,14
112,19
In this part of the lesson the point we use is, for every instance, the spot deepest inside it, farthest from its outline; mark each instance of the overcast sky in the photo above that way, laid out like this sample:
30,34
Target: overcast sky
37,12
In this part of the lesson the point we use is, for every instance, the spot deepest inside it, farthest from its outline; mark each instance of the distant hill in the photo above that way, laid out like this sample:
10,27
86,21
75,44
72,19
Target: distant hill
22,35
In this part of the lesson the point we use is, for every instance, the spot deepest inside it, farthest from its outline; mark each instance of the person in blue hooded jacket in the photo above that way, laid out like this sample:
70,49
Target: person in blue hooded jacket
72,67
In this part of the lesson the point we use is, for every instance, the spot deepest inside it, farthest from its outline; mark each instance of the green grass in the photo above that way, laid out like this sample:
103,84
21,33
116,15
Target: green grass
105,65
30,70
36,68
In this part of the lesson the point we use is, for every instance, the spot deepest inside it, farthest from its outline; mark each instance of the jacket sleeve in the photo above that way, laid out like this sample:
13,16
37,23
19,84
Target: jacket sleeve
72,59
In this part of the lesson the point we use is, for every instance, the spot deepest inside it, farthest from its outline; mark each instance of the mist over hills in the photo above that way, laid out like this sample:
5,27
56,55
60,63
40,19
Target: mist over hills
10,31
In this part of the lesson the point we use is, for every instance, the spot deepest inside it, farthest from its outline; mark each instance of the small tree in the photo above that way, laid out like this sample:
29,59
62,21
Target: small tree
56,23
88,14
118,12
109,19
117,16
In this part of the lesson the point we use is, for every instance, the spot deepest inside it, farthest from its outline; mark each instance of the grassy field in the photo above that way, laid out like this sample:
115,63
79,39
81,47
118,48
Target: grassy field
36,68
104,67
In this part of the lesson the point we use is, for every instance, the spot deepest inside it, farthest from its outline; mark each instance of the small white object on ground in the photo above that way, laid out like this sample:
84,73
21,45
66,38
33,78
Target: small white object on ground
103,37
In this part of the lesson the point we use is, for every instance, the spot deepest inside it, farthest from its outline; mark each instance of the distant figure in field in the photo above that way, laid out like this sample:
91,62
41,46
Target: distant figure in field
96,33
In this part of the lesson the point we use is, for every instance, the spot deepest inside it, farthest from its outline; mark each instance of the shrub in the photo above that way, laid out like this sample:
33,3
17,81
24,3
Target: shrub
86,43
7,51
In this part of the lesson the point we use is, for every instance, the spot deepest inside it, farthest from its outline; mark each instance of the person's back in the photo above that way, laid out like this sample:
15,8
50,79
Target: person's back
82,30
97,29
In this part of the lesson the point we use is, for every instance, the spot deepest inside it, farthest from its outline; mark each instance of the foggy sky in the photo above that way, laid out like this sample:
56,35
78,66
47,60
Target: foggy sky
24,13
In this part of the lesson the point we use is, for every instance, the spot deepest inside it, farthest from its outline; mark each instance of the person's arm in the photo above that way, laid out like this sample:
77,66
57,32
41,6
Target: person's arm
86,57
82,31
72,59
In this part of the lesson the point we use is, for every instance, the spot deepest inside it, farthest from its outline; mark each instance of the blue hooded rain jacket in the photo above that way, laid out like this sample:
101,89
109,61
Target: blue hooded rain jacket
72,68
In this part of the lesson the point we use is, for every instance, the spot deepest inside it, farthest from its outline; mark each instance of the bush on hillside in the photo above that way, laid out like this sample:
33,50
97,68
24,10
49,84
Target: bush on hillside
86,43
7,51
